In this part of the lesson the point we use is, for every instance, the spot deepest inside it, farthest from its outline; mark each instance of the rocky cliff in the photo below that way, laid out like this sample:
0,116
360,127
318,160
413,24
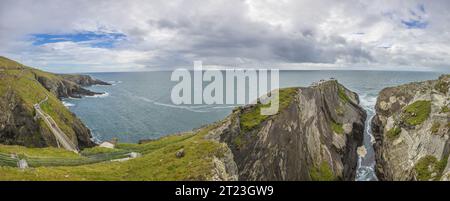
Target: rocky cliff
411,129
314,136
65,86
82,80
22,87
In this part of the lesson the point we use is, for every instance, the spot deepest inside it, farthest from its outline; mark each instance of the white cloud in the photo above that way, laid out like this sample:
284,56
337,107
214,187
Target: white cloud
160,34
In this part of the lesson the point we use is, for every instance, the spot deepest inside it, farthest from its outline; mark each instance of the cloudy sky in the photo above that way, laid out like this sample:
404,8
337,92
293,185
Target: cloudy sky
97,35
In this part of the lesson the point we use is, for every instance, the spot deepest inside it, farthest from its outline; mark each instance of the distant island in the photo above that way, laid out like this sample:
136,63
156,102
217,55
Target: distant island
314,136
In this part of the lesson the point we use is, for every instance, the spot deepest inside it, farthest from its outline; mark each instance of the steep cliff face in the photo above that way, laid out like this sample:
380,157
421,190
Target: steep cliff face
411,129
314,136
20,88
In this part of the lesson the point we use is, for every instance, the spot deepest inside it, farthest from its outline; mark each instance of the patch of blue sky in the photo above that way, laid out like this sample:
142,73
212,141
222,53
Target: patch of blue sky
94,39
418,21
415,24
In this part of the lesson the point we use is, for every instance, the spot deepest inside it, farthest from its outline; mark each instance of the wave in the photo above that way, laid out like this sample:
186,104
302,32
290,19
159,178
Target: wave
224,107
366,173
66,104
198,108
367,102
113,83
103,95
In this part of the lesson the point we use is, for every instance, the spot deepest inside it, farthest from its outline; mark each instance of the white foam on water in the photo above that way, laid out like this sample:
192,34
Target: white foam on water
364,172
368,102
190,108
66,104
113,83
103,95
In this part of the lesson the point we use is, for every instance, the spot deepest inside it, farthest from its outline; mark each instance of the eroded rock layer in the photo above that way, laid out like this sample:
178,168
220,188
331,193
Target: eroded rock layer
314,136
411,129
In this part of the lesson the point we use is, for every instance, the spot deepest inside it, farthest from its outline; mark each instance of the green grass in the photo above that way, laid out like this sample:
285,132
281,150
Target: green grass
322,173
252,118
6,160
98,150
37,157
8,63
393,133
337,128
156,144
416,113
158,163
428,165
445,109
238,141
342,95
49,152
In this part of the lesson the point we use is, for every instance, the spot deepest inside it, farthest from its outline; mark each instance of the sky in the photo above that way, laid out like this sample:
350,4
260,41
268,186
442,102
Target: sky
141,35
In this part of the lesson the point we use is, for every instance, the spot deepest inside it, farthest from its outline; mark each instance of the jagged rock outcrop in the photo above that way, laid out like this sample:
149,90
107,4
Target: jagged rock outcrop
21,87
411,129
17,125
83,80
65,86
314,136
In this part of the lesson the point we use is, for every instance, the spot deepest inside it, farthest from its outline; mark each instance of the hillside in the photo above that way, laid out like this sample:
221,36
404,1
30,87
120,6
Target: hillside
158,161
306,140
22,87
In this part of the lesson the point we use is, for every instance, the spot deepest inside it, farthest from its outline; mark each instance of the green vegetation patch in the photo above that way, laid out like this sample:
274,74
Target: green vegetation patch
49,152
337,128
157,163
445,109
8,63
98,150
342,95
252,118
393,133
417,112
151,146
428,165
322,173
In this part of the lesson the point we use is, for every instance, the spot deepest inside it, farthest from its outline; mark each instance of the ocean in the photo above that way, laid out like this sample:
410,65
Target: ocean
138,105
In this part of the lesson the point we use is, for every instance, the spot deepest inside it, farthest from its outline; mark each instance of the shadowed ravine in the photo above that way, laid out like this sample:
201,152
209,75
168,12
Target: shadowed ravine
366,161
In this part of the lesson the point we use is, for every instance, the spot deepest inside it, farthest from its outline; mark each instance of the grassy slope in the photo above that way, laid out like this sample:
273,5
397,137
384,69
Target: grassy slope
158,162
417,112
23,83
49,152
252,118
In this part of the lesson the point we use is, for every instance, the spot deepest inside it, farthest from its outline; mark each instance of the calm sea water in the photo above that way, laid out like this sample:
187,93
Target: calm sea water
138,106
